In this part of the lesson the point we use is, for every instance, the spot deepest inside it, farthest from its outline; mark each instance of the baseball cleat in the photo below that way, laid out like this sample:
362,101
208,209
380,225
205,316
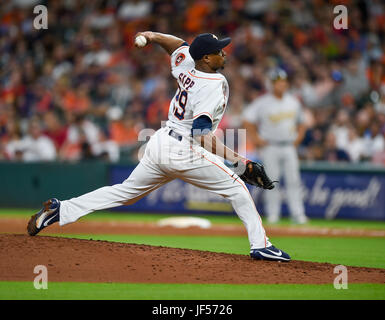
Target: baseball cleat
45,217
300,220
270,253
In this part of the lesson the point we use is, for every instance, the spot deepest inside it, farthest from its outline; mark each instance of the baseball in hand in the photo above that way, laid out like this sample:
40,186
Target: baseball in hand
140,41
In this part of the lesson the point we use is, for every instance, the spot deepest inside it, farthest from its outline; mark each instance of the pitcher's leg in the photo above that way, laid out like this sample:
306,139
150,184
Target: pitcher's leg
244,206
144,179
272,198
213,175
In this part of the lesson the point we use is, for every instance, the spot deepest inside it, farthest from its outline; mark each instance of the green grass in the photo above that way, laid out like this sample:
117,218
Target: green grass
364,252
215,219
12,290
122,216
349,251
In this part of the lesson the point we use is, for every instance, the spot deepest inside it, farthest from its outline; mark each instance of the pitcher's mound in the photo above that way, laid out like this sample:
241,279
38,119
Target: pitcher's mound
101,261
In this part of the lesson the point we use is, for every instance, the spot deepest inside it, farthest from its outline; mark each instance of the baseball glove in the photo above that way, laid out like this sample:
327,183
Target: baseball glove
253,173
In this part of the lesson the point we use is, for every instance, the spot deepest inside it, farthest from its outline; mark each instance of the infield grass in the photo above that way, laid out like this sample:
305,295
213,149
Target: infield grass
215,219
12,290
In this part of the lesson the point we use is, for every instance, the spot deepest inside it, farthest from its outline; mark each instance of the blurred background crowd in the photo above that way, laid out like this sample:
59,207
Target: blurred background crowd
81,90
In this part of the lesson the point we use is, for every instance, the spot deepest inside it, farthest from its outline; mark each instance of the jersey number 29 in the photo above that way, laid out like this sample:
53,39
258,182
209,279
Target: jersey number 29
179,109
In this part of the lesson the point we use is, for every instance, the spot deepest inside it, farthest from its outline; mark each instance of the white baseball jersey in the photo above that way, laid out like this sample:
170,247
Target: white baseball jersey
276,118
199,93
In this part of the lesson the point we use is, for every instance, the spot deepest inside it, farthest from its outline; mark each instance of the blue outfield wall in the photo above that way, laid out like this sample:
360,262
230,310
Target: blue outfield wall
328,192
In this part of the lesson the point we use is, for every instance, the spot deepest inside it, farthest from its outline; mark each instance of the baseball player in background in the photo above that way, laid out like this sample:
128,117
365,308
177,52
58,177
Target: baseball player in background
275,123
185,148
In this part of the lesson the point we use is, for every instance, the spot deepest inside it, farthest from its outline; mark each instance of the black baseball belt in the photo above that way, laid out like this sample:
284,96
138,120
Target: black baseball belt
176,136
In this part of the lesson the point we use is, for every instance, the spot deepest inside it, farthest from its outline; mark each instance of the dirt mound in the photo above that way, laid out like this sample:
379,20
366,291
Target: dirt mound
102,261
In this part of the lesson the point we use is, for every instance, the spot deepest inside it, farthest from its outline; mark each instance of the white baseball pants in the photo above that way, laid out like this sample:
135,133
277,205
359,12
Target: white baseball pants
281,160
165,159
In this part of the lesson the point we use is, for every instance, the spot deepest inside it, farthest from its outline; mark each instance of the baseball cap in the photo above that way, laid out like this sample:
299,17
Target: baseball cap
277,74
207,43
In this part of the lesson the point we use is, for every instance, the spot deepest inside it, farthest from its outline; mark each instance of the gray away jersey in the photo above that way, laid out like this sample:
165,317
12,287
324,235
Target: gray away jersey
276,118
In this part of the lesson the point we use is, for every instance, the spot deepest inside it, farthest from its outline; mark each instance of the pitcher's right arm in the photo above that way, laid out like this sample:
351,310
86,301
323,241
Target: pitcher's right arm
168,42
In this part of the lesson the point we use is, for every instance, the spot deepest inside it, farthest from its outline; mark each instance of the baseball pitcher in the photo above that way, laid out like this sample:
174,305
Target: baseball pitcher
275,122
185,148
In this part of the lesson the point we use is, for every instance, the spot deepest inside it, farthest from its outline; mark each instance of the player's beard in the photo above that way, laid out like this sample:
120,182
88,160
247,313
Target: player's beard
222,66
